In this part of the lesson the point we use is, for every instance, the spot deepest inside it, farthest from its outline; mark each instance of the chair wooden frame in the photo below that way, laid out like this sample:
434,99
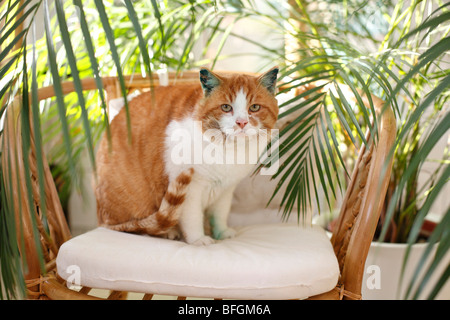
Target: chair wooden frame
351,238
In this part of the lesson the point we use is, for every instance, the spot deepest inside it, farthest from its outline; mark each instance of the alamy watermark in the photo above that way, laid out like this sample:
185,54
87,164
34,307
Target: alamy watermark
73,281
373,281
213,146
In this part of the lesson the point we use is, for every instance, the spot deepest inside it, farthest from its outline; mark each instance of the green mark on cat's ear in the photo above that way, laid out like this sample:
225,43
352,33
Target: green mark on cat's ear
269,79
209,81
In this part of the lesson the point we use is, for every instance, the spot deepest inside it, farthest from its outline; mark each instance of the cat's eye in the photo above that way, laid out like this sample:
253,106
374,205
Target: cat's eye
226,108
255,107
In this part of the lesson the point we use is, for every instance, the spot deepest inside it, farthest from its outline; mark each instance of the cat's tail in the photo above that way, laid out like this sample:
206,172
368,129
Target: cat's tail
162,221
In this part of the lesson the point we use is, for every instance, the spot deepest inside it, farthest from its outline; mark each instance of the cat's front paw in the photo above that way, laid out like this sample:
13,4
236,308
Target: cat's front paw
173,234
202,241
226,234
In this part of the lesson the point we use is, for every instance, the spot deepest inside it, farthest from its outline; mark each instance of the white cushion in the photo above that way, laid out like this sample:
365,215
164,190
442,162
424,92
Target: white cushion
266,261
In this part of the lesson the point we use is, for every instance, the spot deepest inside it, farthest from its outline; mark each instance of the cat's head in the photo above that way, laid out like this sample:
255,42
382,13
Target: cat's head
238,104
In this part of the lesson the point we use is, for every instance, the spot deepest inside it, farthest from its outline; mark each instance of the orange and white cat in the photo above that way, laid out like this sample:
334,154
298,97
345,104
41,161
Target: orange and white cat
161,181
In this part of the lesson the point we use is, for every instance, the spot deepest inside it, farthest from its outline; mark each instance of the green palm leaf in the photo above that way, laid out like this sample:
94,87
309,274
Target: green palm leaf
58,89
94,64
113,49
76,79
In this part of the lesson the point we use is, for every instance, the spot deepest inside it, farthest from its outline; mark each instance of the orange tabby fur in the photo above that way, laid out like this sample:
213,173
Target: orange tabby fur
133,192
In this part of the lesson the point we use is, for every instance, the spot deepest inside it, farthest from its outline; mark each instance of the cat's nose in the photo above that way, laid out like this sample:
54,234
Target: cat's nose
241,123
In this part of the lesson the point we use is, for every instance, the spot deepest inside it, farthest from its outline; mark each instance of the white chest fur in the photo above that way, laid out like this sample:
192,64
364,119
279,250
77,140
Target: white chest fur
218,165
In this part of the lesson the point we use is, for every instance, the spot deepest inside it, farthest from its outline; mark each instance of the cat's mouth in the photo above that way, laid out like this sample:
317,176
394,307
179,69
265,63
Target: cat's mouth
250,132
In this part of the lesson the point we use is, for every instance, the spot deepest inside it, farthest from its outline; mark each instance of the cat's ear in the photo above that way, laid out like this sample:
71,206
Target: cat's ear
269,80
209,81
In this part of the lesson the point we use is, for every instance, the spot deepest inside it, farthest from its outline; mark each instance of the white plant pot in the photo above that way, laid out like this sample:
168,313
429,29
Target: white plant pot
384,266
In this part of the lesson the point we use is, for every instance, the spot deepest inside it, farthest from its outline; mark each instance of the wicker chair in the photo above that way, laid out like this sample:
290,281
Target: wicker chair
351,238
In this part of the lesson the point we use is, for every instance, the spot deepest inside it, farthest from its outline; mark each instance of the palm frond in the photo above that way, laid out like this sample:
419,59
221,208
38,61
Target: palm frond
58,89
76,78
115,56
94,63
